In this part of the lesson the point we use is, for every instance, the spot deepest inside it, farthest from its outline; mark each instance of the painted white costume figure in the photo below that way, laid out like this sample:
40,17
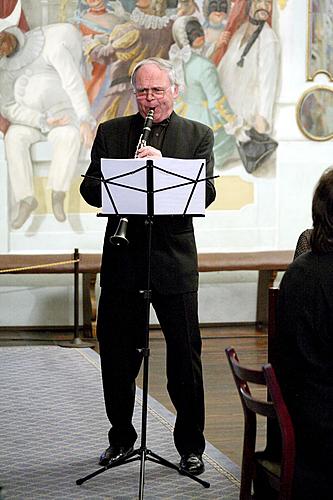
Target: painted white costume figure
250,85
43,97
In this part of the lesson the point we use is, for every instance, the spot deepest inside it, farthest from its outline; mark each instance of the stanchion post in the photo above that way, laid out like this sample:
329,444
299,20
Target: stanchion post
76,342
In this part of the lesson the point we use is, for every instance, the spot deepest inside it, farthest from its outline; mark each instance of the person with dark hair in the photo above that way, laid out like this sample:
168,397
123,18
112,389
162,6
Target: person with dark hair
303,354
174,271
304,242
322,215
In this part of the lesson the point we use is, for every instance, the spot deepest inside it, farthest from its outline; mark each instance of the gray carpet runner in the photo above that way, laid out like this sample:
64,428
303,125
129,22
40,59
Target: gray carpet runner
53,427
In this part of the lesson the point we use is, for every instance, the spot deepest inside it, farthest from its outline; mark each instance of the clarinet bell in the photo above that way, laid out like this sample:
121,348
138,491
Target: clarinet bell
119,238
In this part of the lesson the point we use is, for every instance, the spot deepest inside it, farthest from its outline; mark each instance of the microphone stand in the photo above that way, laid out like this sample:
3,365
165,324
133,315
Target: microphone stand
143,453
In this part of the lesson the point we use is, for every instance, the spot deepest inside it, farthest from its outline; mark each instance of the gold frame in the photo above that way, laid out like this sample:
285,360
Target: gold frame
299,109
311,76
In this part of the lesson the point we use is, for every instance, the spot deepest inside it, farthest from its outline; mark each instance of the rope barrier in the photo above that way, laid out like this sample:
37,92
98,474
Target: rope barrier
38,266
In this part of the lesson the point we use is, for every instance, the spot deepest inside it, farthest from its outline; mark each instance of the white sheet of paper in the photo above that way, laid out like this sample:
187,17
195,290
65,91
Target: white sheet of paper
167,202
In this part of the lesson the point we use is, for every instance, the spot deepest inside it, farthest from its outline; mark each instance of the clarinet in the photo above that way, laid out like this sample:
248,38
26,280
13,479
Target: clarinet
145,131
119,237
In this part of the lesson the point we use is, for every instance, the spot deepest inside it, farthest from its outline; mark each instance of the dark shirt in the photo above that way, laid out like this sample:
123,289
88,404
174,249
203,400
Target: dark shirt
157,134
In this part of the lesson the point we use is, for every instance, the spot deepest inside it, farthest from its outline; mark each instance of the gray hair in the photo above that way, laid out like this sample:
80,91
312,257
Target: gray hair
162,64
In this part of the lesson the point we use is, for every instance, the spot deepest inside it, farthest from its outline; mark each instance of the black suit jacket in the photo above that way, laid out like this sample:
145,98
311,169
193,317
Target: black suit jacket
174,256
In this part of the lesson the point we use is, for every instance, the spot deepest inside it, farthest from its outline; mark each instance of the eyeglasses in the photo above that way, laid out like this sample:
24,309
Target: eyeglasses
156,92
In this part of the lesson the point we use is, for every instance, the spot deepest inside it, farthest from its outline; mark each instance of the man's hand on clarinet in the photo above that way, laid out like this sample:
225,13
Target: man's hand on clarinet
149,152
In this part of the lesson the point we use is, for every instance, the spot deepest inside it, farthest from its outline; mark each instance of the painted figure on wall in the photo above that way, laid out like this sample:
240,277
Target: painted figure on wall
6,7
203,98
95,18
315,115
146,34
43,97
247,58
187,8
250,89
215,14
249,68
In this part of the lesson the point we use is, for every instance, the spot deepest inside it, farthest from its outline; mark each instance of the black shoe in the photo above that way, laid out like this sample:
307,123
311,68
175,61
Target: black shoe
192,463
114,453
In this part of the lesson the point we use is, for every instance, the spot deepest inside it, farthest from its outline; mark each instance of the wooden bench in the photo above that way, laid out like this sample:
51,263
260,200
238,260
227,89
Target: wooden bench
267,263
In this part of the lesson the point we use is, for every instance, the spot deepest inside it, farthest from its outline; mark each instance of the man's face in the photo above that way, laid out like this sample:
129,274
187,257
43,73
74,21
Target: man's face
261,9
144,5
216,17
95,3
8,44
217,7
151,77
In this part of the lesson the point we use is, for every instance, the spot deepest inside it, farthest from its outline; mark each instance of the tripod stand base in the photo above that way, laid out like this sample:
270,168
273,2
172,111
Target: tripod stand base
143,454
76,342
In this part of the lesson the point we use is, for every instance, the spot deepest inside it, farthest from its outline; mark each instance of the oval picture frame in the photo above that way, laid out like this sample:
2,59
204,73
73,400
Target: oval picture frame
314,113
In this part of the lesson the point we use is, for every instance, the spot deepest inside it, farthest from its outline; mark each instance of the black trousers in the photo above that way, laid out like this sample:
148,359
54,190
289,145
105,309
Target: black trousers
120,331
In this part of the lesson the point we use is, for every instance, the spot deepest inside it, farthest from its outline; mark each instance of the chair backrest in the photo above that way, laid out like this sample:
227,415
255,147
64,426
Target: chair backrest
273,296
272,407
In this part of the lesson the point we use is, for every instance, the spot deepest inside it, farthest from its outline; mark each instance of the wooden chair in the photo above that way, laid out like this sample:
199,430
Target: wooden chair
273,297
270,479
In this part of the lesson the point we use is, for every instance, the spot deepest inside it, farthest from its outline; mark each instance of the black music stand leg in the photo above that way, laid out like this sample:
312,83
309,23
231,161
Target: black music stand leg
142,474
142,453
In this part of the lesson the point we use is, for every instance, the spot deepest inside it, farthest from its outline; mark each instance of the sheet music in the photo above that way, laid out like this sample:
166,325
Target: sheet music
167,202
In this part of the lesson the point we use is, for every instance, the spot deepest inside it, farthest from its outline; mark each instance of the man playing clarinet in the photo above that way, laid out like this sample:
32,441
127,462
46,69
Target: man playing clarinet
174,272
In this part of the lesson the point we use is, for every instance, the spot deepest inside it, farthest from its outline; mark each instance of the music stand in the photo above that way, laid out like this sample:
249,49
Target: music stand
152,206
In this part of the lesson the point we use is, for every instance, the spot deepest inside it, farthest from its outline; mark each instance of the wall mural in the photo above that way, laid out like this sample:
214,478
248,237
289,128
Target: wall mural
63,78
